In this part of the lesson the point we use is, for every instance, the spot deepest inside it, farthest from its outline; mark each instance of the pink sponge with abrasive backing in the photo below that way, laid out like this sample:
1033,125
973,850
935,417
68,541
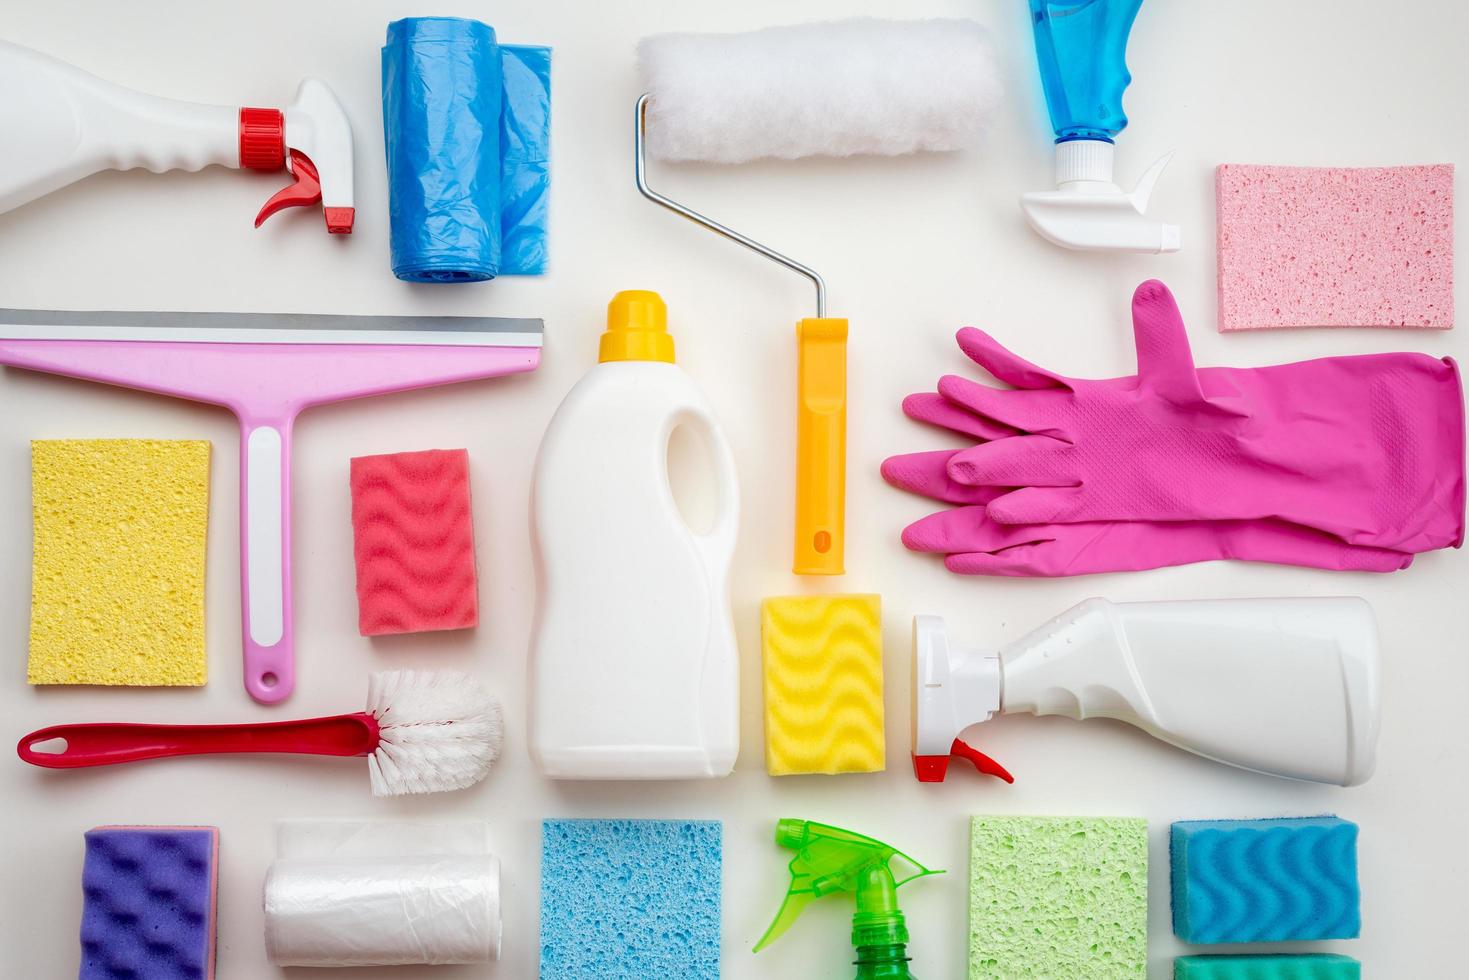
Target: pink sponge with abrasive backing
414,542
1335,246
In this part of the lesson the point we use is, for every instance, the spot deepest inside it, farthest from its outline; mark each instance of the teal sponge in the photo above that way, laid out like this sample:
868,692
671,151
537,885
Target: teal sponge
630,899
1058,898
1312,966
1264,881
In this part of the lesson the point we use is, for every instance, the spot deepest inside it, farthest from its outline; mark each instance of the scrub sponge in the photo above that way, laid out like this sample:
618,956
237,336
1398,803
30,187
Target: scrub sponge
823,684
1058,898
630,899
117,573
414,541
1311,966
1335,247
1263,881
148,903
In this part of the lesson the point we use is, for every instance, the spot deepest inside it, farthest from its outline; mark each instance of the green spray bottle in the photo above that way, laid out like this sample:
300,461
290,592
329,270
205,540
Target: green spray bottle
830,860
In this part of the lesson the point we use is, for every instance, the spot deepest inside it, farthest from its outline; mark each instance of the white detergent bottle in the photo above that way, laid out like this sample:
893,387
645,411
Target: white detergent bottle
634,672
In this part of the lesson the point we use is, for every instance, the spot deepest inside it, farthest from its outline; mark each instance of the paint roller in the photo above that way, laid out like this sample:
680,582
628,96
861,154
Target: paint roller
846,88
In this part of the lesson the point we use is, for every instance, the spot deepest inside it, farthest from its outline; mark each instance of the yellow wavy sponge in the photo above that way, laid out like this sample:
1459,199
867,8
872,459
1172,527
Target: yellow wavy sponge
823,684
117,569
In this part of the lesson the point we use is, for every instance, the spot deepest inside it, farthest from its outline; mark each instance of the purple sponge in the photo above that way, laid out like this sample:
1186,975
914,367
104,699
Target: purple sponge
149,903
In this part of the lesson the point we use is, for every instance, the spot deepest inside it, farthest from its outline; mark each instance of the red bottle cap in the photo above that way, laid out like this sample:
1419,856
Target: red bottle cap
262,139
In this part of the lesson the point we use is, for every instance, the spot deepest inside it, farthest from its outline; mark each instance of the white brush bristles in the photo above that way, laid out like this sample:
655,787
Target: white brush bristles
438,730
833,89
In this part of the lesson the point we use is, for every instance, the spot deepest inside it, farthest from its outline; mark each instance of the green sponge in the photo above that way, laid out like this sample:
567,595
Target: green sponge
1058,898
1313,966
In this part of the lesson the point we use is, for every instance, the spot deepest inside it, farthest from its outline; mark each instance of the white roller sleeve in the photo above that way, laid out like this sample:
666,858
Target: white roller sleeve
833,89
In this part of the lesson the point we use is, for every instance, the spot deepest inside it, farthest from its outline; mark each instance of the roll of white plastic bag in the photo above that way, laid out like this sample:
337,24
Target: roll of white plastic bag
347,899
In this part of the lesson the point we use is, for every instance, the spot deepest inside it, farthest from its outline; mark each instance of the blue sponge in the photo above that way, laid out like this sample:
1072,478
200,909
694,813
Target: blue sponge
149,897
630,899
1306,966
1264,881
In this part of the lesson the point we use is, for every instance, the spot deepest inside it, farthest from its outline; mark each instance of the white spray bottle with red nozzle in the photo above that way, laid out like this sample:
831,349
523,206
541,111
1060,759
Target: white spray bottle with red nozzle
1286,687
61,124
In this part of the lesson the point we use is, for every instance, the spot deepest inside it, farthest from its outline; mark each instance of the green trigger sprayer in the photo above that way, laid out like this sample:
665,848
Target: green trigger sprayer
830,860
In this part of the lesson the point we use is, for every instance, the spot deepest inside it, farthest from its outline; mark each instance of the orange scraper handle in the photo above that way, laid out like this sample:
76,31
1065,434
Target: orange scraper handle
821,447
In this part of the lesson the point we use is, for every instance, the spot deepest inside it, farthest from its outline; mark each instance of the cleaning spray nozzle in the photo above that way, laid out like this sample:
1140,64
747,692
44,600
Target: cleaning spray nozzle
829,861
313,140
952,690
1088,211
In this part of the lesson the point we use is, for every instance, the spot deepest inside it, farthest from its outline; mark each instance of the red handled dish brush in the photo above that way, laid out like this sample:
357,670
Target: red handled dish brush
422,732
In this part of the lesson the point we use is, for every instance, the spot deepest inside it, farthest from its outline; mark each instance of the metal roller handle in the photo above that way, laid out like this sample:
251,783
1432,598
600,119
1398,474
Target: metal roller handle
640,170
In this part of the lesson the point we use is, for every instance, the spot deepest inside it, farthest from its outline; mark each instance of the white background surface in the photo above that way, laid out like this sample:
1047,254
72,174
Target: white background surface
912,249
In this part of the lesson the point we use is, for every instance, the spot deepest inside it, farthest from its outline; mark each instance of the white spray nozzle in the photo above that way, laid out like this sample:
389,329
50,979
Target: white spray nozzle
952,690
1088,211
317,128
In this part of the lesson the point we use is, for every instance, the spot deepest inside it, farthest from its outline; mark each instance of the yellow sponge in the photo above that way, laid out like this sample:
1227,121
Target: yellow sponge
117,573
823,684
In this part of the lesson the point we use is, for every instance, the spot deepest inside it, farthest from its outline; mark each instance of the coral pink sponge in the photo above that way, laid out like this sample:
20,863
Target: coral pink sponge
1336,247
414,542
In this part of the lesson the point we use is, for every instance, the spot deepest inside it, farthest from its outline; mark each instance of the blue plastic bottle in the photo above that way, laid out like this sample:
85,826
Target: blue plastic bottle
1082,47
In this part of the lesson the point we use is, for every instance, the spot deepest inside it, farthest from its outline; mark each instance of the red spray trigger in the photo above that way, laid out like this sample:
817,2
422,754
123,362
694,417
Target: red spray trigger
981,761
305,191
933,768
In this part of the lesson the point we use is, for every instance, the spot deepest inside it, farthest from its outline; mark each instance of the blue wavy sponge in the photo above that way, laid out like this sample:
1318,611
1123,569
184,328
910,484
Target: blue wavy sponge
630,899
149,899
1265,881
1305,966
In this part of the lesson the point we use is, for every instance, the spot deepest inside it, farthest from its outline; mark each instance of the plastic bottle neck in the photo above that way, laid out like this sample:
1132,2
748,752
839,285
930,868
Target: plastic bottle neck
879,933
885,962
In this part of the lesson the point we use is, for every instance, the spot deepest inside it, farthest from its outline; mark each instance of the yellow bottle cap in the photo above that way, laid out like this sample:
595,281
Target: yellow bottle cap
637,328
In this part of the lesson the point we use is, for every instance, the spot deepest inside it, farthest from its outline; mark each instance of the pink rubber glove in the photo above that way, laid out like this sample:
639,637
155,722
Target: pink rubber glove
1368,448
973,544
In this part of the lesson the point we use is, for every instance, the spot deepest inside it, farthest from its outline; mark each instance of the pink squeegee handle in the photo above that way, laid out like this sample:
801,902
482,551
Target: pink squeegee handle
107,744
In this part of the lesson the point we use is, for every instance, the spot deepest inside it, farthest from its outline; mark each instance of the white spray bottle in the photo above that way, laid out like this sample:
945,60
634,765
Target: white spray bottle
1287,687
634,672
61,124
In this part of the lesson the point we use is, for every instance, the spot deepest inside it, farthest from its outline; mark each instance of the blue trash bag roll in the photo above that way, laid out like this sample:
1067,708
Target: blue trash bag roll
466,124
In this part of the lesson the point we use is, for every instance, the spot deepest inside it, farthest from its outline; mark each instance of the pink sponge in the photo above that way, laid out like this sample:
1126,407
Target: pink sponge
1336,247
414,542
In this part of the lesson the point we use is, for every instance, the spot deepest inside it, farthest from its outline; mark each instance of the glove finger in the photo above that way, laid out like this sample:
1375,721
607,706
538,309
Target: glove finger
1165,364
952,530
1019,461
934,409
1026,560
1055,550
1027,411
1010,368
1040,504
928,474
